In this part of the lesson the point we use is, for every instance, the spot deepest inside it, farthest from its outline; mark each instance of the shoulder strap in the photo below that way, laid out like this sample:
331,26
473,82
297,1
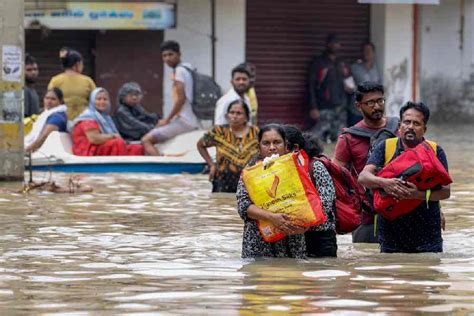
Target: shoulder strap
192,71
433,145
390,148
392,124
358,131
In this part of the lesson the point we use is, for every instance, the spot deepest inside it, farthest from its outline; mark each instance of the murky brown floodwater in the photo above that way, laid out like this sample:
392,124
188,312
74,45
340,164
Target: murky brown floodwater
143,244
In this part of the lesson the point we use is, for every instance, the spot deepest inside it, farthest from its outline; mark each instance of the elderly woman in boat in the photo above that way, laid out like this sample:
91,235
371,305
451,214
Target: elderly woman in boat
53,118
132,120
236,143
94,132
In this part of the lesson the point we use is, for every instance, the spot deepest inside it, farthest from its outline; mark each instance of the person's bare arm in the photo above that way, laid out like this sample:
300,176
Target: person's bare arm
205,155
95,137
41,139
435,195
394,187
179,101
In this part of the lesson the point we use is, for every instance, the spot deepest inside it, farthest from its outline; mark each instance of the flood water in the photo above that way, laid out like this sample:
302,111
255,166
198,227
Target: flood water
144,244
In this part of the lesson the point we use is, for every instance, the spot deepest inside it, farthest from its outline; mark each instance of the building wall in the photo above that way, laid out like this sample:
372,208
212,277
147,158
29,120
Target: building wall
392,34
446,70
193,32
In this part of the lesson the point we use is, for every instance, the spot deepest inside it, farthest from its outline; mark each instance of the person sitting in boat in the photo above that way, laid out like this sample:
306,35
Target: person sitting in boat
236,143
53,118
94,132
131,119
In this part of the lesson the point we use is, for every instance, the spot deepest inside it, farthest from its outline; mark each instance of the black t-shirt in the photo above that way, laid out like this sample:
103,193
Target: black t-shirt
417,229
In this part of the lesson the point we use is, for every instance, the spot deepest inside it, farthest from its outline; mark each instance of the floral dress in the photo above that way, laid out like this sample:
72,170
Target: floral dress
232,154
293,246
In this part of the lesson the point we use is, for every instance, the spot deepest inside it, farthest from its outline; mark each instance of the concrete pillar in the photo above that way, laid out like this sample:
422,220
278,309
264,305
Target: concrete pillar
11,94
392,32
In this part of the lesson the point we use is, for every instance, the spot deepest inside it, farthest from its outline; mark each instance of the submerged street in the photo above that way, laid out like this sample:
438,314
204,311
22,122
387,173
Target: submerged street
147,243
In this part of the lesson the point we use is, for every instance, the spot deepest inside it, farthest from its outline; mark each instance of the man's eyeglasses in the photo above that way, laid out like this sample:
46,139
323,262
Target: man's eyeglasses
371,103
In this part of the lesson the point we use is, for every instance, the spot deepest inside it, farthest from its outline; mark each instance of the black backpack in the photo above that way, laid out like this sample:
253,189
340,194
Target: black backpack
206,92
389,131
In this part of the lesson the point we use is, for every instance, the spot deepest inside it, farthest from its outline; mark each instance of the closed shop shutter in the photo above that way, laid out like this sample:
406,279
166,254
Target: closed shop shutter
123,56
45,48
281,39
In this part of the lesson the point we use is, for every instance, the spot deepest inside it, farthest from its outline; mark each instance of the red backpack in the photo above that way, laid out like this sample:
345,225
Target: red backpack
350,195
417,165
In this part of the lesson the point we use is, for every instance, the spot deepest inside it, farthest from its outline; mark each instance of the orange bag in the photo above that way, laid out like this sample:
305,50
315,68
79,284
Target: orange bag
284,186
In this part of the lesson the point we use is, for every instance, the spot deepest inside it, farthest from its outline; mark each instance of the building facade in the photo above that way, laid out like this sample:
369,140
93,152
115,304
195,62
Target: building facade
280,38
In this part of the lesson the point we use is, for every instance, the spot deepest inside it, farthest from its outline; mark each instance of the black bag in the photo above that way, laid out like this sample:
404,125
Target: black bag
389,131
206,92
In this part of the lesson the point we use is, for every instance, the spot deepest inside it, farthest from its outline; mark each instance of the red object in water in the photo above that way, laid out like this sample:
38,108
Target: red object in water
350,195
419,166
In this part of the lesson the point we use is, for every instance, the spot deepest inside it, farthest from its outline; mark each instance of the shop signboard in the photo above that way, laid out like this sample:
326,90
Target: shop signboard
104,16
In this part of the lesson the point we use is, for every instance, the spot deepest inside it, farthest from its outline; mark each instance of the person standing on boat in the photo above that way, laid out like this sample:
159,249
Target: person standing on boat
53,118
131,119
75,86
236,143
94,132
181,119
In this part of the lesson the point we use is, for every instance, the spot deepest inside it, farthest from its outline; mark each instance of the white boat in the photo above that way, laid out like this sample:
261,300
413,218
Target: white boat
180,155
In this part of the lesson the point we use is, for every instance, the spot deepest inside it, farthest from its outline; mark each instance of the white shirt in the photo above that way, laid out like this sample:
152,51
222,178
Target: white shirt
183,75
223,103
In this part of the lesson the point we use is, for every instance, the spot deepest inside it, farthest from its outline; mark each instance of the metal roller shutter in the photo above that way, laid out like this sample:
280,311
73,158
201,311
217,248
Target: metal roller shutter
281,39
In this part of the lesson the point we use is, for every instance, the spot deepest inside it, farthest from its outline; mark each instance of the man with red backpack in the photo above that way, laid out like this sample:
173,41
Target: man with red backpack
418,229
355,143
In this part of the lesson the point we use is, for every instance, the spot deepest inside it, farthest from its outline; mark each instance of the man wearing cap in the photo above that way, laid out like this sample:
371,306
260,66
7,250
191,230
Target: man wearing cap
330,81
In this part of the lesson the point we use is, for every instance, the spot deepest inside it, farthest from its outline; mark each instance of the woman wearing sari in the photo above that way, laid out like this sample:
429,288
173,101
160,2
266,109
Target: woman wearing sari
94,132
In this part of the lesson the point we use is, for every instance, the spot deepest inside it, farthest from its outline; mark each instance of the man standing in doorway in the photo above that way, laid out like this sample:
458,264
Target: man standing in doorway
419,230
240,85
363,70
32,104
352,147
329,84
181,119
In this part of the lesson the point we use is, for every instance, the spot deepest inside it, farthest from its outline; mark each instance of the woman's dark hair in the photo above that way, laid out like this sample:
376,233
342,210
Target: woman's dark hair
419,106
294,137
59,94
269,127
244,106
69,57
313,145
170,45
367,87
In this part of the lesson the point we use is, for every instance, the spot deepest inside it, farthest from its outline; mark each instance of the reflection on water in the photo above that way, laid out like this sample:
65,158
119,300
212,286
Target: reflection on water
140,244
